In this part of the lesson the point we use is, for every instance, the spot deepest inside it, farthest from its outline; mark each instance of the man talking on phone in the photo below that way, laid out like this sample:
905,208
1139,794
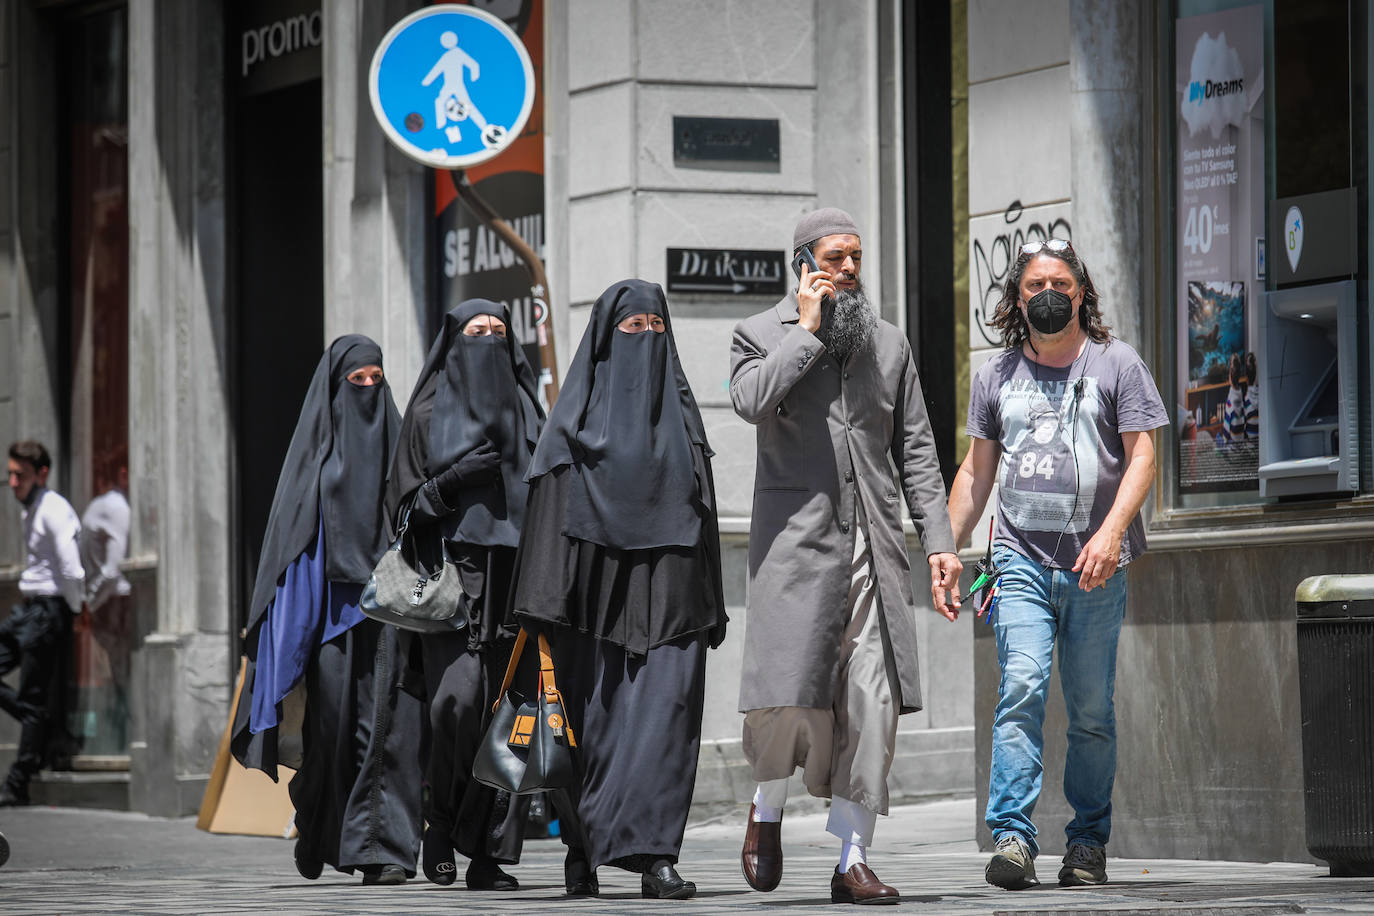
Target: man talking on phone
830,638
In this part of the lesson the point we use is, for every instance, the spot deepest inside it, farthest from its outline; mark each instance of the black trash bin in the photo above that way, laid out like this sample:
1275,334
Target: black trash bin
1336,680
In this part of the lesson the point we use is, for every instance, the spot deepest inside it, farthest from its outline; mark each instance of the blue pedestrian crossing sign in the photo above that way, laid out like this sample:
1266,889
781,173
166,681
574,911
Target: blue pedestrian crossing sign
452,86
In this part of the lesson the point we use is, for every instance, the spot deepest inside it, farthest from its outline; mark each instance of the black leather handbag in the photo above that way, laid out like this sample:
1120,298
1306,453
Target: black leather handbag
415,586
529,745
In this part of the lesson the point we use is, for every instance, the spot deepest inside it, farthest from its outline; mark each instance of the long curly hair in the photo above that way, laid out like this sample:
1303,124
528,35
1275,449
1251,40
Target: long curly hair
1007,317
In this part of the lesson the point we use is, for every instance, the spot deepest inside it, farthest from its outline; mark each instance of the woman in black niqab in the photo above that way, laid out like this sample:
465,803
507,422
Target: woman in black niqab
619,566
625,426
473,389
459,474
334,466
319,674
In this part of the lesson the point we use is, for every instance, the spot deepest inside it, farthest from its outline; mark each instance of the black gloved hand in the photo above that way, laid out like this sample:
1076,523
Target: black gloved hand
479,467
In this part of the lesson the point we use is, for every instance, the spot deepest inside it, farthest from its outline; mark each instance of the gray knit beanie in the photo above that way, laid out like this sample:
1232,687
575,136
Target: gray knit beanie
819,223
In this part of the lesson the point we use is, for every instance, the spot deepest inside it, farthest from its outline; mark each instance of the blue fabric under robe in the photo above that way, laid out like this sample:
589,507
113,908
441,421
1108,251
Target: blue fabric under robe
306,612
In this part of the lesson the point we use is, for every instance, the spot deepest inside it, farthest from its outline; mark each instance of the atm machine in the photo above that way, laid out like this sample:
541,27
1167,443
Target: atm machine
1309,402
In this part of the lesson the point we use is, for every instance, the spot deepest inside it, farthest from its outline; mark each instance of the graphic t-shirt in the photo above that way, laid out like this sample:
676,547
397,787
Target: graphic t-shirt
1062,454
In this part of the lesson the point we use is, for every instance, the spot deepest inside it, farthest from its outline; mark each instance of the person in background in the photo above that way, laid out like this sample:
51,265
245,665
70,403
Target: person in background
1252,398
36,637
105,539
104,545
1233,415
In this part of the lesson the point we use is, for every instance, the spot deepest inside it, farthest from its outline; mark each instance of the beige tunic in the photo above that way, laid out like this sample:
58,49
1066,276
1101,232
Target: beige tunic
845,752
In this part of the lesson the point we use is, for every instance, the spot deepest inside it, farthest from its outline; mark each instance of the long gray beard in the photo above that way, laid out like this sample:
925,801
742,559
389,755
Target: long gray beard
848,328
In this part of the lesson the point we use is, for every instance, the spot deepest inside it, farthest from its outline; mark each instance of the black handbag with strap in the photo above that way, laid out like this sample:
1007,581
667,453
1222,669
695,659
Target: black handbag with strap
529,745
415,585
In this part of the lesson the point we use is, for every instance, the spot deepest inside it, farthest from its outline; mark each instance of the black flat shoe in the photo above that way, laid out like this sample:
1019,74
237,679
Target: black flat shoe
662,882
309,868
436,857
579,878
383,874
485,875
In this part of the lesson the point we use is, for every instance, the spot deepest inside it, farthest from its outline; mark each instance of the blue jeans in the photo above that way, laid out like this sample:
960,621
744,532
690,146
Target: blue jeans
1037,607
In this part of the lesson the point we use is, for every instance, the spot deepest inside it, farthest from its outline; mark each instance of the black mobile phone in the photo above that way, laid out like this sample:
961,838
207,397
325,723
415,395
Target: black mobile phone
804,257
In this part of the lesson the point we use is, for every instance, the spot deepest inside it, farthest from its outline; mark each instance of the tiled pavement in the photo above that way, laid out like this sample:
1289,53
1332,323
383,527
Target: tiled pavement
73,861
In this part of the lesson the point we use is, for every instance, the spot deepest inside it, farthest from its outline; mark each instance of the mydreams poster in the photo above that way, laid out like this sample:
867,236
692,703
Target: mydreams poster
1219,177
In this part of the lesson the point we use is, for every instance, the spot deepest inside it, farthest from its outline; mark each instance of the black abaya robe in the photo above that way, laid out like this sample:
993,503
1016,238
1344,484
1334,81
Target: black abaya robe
356,788
357,793
470,391
628,630
619,565
462,674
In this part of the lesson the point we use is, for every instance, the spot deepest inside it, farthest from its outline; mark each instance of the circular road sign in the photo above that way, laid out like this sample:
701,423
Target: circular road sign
451,85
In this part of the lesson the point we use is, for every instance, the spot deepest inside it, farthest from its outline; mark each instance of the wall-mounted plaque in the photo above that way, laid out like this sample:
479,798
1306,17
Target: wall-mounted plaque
730,271
731,144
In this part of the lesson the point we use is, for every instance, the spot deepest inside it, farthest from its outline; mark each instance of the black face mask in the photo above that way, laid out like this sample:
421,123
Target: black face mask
1049,311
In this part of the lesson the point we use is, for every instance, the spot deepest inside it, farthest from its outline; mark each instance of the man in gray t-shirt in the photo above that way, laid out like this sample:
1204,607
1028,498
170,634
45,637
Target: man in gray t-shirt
1062,453
1063,421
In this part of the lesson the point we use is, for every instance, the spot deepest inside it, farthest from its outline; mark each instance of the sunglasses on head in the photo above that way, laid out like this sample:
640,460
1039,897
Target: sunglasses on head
1058,246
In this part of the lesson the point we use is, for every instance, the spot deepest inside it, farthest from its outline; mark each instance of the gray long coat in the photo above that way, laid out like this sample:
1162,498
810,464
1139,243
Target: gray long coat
826,434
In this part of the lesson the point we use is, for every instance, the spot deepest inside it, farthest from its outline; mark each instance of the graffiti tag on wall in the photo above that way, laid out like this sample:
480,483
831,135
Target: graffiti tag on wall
996,241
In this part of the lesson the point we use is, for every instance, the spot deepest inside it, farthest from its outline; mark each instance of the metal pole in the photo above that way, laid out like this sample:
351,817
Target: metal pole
539,285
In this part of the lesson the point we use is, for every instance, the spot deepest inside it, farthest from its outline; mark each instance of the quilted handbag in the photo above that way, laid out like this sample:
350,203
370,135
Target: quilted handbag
529,745
415,586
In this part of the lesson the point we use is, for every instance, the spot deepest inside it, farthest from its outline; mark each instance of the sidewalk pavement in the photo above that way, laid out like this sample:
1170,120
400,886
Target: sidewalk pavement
77,861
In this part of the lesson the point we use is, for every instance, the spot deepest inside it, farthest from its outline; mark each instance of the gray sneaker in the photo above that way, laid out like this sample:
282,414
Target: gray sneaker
1011,866
1083,865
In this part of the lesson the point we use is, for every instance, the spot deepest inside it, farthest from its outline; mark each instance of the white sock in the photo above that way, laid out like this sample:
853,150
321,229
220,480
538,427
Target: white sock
852,854
850,822
769,799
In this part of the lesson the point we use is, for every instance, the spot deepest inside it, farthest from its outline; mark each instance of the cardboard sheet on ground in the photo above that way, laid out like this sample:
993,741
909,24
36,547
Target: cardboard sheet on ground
243,801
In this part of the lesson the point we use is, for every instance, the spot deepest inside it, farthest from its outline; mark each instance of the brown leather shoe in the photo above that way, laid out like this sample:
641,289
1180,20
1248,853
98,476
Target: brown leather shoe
860,885
761,858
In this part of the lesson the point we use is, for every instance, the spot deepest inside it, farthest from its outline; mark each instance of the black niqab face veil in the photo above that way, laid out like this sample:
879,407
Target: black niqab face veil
471,389
625,423
334,475
353,479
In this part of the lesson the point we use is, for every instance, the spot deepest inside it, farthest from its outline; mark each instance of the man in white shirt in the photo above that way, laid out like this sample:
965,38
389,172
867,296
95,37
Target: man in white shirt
36,637
104,544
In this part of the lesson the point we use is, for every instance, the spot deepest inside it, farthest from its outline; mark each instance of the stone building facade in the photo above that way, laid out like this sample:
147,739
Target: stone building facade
241,209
